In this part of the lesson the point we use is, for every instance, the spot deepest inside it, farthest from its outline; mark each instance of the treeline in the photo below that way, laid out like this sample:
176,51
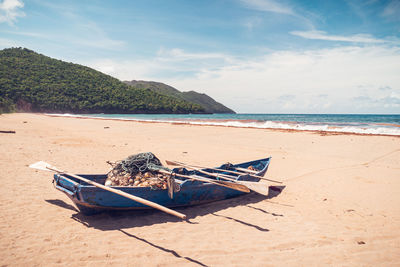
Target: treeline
6,105
33,82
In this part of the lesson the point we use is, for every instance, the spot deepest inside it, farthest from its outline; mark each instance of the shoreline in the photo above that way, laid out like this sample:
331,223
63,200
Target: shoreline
319,132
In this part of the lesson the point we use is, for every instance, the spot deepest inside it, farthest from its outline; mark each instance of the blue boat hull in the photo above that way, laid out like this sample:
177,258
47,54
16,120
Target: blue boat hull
90,199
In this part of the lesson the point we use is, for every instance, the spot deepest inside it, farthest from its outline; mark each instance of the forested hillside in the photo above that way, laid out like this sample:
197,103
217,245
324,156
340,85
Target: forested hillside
208,103
33,82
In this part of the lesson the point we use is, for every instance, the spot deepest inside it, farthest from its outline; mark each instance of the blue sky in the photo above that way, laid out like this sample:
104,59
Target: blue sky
255,56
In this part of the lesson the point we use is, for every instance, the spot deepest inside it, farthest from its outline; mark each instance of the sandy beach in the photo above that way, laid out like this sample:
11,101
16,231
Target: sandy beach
340,206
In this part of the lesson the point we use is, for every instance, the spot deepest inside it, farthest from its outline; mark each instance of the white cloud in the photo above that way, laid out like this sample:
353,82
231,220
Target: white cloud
88,38
102,42
125,70
252,23
28,34
392,10
335,74
321,35
325,80
89,34
391,101
180,55
269,6
10,11
78,29
7,43
302,17
169,63
385,88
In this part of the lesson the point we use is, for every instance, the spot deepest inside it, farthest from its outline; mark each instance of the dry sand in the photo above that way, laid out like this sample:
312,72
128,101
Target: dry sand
341,204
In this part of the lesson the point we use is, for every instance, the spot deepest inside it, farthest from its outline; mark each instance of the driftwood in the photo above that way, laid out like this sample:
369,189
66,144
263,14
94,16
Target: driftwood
7,131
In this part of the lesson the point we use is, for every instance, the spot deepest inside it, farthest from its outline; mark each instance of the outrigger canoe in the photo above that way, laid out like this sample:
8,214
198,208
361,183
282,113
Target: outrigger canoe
91,200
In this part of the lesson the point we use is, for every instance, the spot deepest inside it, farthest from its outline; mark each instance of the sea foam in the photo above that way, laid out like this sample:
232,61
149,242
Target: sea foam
355,128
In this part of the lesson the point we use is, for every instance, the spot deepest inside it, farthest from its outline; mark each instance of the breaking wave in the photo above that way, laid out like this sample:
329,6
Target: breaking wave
355,128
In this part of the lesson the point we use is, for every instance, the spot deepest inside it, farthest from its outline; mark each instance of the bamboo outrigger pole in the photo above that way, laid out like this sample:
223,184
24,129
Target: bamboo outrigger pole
177,163
260,188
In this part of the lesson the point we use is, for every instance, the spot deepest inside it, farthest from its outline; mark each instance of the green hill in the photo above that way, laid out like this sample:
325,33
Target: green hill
33,82
209,104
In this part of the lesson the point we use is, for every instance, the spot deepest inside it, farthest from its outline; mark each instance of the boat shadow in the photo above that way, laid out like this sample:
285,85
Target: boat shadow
62,204
163,249
120,220
117,220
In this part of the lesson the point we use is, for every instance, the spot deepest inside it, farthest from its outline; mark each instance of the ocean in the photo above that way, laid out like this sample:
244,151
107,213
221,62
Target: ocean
373,124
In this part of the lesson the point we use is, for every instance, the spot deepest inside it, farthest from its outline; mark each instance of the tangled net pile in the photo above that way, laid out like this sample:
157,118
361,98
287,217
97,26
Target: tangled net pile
137,170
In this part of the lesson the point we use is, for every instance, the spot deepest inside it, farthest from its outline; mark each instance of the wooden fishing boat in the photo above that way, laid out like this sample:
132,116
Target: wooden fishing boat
91,199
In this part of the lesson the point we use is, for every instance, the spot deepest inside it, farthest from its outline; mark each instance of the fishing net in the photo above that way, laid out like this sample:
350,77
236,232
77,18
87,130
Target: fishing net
138,163
140,170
